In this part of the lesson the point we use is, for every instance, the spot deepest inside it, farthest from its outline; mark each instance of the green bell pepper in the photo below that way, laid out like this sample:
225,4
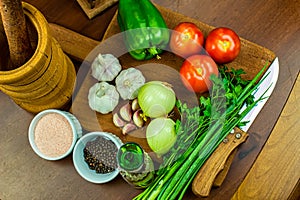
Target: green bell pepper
145,31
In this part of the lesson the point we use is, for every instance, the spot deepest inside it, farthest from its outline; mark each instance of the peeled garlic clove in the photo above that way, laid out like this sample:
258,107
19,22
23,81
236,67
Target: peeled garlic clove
128,82
128,128
126,112
135,105
118,122
138,119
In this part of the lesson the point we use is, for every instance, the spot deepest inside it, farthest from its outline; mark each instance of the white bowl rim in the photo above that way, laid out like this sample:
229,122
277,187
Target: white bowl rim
115,139
31,133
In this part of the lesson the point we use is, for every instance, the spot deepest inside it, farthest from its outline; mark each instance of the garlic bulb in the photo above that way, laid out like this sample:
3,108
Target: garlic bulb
103,97
128,82
105,67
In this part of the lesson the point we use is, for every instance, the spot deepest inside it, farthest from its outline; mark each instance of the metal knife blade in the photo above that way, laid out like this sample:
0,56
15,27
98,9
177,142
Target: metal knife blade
269,82
208,175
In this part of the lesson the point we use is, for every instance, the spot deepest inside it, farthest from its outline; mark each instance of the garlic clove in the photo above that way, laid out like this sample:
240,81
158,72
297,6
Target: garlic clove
128,128
138,119
135,105
118,122
126,112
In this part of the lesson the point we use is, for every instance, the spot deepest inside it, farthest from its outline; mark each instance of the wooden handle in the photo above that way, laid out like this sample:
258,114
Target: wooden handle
72,43
223,173
206,176
214,170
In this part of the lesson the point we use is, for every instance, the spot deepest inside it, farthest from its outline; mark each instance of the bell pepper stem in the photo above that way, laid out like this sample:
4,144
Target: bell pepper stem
153,51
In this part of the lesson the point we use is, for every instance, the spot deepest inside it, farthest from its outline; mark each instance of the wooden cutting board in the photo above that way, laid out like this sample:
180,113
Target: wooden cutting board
251,59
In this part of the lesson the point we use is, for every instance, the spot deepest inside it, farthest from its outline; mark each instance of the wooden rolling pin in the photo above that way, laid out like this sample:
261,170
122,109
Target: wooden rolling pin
215,169
75,45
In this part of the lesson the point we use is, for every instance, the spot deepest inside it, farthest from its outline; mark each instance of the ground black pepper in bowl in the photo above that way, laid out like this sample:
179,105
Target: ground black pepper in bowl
100,155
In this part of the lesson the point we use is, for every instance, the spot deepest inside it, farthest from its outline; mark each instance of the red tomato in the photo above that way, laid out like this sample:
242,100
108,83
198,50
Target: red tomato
186,39
195,72
223,45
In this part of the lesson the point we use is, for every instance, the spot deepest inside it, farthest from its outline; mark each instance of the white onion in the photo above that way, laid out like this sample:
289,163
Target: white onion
161,135
156,99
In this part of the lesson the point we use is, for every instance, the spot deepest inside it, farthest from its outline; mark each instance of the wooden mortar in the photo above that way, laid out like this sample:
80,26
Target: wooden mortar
47,79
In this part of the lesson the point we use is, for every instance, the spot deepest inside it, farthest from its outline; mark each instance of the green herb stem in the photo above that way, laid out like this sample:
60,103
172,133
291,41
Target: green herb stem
204,128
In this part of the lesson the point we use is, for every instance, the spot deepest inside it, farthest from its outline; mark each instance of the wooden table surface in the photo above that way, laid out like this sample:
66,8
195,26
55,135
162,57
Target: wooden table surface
266,166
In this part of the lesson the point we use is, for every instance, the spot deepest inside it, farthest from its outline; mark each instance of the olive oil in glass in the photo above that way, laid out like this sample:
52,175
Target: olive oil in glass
135,165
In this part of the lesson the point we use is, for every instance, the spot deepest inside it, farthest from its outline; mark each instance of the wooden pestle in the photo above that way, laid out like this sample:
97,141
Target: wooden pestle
4,55
14,25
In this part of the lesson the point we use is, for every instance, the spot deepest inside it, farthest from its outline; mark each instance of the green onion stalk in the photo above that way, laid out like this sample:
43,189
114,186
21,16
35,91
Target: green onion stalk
201,130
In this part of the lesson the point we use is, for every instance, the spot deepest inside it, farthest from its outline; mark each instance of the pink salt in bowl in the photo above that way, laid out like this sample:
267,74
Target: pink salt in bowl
53,134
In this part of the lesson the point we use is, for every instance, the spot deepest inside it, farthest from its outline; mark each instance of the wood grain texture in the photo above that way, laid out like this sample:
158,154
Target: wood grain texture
70,15
14,23
93,8
69,42
251,59
276,170
204,180
270,23
222,175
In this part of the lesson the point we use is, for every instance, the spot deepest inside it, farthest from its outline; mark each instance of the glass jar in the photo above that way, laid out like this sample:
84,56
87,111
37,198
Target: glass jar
136,166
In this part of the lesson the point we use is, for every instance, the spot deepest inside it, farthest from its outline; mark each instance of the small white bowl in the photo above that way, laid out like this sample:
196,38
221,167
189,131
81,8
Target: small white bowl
74,123
81,166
